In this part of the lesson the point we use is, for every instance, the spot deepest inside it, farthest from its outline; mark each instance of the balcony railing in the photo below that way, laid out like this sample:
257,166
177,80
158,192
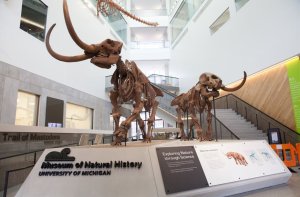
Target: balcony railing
166,82
150,45
152,12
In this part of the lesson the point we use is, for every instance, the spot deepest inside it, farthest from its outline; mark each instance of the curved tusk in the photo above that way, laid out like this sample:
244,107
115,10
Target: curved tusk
237,87
76,39
63,58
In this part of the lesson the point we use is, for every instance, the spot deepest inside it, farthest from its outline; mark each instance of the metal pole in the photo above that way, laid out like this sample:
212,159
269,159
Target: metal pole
221,131
200,117
125,139
136,130
215,119
187,123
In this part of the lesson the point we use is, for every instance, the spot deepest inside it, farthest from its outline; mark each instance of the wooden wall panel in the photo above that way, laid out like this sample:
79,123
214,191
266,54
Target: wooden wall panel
269,91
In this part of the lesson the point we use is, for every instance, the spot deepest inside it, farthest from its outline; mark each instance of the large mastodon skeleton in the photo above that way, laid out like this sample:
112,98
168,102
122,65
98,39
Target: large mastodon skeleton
197,99
130,84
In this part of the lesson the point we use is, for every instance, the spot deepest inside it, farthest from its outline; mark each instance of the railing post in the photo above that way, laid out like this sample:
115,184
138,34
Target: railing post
5,183
215,119
227,101
200,117
187,123
221,131
34,158
236,107
284,140
256,120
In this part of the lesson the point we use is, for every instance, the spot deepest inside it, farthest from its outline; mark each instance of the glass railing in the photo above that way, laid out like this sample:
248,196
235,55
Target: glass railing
160,80
116,21
146,13
183,15
150,44
164,80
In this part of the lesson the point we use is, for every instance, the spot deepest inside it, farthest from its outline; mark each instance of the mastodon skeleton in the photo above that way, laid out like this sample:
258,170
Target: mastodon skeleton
197,99
109,7
130,84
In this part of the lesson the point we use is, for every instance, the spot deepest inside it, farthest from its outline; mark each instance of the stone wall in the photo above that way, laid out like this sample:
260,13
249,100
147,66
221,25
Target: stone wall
13,79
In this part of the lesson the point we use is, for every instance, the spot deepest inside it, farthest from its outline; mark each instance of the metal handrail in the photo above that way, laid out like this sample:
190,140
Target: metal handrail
7,176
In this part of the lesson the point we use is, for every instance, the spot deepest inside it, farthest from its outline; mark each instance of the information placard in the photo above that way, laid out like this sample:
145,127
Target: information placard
233,162
180,169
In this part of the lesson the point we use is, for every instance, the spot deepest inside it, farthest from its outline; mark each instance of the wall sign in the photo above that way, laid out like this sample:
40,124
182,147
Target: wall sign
180,169
293,68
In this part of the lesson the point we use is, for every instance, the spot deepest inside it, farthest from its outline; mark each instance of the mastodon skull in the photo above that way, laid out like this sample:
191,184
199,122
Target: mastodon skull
102,55
210,80
214,83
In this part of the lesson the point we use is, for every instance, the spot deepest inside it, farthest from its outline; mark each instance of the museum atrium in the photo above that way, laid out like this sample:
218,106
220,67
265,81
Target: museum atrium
150,98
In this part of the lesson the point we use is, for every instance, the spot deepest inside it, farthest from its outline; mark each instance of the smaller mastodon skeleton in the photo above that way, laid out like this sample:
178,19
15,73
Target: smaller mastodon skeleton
197,99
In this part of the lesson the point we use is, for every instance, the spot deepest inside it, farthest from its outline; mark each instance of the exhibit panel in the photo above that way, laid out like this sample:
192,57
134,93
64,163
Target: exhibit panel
226,163
176,168
225,181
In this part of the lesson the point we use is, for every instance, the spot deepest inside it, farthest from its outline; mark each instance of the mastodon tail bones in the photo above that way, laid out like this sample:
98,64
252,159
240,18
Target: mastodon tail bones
111,5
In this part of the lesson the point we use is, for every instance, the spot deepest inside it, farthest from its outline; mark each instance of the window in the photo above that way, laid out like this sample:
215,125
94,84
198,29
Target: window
183,15
54,112
221,20
27,109
180,20
79,117
240,3
33,18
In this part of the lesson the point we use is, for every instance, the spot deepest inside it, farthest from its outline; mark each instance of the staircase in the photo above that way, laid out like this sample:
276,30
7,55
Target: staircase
239,126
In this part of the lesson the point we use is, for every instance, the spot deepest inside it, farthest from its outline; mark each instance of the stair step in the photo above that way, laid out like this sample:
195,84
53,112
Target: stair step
239,125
